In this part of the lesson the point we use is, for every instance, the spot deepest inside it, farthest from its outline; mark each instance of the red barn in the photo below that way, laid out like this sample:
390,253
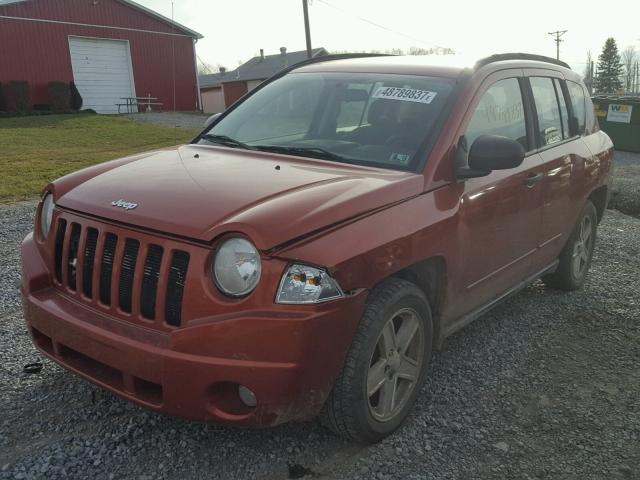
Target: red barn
110,48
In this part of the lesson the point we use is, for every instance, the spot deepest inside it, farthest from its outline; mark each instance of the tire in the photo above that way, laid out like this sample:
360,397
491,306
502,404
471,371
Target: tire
396,306
575,258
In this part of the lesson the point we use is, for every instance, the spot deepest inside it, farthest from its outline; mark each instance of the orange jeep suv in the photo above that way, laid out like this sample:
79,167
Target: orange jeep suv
309,250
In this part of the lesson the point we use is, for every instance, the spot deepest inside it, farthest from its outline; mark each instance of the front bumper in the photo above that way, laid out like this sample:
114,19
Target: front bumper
289,357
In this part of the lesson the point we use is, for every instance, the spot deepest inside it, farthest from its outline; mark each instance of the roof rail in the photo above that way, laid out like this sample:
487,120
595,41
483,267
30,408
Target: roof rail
327,58
519,56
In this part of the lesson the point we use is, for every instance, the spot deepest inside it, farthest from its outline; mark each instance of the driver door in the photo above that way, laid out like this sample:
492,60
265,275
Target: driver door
501,213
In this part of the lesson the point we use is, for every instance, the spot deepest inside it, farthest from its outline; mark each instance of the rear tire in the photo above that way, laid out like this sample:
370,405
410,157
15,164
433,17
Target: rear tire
575,258
386,364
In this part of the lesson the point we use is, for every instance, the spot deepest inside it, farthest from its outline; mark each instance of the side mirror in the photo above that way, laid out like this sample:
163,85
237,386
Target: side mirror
491,152
211,119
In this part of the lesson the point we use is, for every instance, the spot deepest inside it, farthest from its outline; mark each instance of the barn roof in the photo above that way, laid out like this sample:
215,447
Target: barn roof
259,68
137,6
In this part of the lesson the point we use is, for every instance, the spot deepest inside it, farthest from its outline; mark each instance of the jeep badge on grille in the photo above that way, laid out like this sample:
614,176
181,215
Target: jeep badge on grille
124,204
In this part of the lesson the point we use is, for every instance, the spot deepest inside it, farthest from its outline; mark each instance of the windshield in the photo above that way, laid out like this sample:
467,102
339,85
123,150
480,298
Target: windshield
371,119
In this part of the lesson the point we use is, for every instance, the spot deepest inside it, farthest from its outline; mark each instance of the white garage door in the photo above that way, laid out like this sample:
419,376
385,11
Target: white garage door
102,72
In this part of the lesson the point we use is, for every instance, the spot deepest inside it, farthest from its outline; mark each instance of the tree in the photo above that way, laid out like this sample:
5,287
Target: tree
411,51
609,69
629,60
205,68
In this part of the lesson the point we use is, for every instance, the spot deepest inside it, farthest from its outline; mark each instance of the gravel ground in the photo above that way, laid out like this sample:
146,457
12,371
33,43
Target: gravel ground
547,385
626,183
170,119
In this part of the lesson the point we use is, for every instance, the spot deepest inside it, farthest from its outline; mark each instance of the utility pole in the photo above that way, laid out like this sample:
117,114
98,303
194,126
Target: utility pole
307,32
558,34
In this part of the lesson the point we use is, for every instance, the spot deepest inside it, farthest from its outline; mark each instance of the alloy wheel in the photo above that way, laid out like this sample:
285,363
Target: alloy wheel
395,364
582,248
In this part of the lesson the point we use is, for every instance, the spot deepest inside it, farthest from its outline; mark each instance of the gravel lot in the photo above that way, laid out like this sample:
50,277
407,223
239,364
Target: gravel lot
545,386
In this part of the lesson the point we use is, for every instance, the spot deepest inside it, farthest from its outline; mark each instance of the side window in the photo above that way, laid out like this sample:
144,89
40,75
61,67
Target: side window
564,113
500,112
576,93
549,123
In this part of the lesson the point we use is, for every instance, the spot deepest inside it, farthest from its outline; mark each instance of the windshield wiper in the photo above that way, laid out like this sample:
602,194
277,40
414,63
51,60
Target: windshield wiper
226,141
313,152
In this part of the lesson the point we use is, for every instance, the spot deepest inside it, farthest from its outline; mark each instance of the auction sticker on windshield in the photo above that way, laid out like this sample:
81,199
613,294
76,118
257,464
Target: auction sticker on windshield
406,94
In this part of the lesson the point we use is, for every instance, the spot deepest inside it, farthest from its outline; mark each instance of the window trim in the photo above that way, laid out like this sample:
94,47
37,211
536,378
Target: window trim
556,84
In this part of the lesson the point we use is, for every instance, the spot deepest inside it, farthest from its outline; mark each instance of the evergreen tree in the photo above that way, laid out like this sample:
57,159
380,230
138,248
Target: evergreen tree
609,69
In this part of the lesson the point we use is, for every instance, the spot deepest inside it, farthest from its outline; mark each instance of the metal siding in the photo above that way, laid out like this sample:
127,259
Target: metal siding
39,52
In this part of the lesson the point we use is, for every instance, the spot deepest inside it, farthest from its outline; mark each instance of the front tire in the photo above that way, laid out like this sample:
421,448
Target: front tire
386,365
575,258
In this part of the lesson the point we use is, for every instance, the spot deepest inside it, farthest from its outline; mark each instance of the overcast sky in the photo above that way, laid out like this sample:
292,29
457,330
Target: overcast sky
234,31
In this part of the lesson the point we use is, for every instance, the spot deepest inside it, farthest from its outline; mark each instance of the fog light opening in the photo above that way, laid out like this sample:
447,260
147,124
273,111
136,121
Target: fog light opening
247,396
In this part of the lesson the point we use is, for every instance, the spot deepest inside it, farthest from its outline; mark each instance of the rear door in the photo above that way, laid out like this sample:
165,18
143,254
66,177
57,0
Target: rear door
562,152
501,213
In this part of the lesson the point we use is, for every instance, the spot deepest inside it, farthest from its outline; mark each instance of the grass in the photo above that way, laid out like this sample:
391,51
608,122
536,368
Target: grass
37,150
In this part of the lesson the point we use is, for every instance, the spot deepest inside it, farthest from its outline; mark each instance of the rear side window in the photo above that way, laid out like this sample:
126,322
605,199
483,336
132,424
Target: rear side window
576,93
546,101
499,112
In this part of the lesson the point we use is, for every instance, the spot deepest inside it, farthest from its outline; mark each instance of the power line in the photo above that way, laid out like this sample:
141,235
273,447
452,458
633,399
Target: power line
375,24
558,34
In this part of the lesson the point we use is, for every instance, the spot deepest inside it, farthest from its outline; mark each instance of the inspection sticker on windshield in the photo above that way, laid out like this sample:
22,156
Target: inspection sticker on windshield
406,94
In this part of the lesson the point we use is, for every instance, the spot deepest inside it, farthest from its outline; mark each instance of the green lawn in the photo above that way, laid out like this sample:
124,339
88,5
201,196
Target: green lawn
36,150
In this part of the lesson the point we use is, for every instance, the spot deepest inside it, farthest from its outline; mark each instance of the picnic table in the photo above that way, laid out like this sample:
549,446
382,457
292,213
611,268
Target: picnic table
133,104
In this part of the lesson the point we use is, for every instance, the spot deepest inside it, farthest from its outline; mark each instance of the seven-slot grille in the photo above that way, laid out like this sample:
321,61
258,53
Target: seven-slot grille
121,272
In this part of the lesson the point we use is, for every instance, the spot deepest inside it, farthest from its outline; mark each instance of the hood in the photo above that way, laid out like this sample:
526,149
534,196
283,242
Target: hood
200,192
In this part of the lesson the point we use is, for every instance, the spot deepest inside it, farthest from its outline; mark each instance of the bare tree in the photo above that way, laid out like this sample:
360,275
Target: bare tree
205,68
411,51
629,59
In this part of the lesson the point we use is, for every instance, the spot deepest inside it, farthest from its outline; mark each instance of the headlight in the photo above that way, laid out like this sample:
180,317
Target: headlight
237,267
46,214
304,284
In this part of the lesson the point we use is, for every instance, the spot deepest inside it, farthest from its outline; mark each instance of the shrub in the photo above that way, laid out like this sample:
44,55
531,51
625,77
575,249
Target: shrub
18,96
3,100
59,96
41,107
76,98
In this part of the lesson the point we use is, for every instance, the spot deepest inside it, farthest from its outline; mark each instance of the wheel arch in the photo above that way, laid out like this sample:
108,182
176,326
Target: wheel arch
599,197
430,275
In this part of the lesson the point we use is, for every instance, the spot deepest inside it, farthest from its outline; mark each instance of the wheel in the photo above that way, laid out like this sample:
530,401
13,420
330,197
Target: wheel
385,366
575,258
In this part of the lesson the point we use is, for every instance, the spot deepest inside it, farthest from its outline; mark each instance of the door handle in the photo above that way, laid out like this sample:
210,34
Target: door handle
533,178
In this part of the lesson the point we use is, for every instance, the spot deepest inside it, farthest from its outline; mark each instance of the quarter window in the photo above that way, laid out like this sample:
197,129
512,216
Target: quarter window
576,94
549,122
499,112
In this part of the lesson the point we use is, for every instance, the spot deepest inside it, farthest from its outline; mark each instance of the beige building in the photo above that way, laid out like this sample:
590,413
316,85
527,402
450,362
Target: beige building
220,90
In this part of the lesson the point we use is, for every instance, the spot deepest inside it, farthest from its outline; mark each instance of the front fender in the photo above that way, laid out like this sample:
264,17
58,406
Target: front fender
362,253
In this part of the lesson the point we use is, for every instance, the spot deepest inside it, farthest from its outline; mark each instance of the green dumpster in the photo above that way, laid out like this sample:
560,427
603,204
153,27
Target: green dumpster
619,117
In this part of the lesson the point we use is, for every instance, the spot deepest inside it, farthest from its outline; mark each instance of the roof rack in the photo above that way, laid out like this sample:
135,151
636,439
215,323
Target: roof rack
519,56
328,58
